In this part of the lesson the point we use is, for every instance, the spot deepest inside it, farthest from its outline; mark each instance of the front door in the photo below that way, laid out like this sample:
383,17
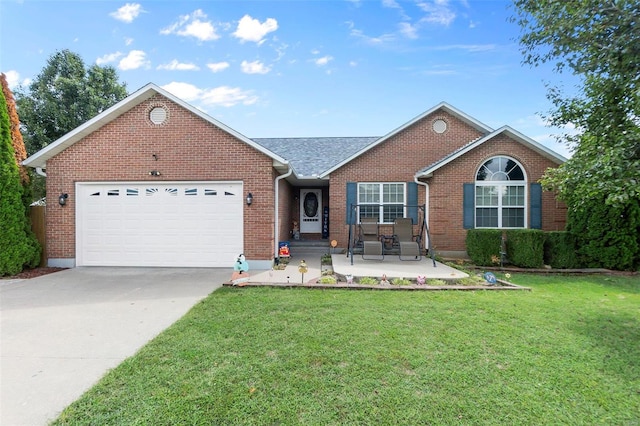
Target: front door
310,211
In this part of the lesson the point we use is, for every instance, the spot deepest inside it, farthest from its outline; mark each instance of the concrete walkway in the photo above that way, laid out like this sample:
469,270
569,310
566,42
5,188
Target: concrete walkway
60,333
391,266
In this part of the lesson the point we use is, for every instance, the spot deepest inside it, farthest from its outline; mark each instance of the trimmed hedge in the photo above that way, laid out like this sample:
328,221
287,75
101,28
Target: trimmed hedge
525,247
560,250
607,236
484,245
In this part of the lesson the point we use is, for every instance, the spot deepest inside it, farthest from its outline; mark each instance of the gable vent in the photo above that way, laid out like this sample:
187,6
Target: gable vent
439,126
158,115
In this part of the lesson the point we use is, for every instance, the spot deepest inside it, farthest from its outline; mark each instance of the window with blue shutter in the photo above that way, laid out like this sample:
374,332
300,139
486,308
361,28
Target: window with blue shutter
352,199
535,206
412,201
468,205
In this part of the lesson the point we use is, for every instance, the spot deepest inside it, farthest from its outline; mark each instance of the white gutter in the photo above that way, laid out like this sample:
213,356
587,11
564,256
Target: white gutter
40,172
276,216
426,204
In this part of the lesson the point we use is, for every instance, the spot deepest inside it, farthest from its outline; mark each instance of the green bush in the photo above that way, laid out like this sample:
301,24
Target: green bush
483,246
560,250
525,247
328,279
368,281
607,236
18,245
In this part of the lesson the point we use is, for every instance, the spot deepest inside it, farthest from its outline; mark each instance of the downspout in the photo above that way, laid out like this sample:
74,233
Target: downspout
276,216
426,215
40,172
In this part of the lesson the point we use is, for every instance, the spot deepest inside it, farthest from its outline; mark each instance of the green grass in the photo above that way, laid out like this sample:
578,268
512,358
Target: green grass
568,352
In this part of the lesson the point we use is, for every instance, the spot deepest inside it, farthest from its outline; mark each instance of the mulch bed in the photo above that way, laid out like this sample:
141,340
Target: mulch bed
32,273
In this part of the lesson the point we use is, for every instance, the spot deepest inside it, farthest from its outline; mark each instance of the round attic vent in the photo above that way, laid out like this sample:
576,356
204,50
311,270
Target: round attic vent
439,126
158,115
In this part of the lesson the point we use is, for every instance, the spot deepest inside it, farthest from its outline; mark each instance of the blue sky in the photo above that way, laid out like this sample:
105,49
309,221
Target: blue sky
297,67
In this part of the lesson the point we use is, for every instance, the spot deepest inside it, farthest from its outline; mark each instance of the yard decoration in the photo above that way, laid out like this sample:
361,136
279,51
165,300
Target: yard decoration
302,268
240,276
490,278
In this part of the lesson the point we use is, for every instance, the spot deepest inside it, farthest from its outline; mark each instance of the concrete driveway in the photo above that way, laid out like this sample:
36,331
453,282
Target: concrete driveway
60,333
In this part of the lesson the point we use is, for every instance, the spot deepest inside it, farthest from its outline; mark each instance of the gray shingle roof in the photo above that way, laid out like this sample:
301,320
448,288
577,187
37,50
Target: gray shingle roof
312,156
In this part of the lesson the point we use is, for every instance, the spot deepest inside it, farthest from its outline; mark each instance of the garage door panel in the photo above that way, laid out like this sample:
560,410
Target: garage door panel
169,224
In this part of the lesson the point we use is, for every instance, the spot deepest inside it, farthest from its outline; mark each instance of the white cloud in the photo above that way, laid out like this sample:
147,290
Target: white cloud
353,63
228,96
219,96
185,91
128,41
323,61
13,79
178,66
218,66
127,13
134,60
408,30
195,25
250,29
393,4
108,58
373,41
437,12
255,67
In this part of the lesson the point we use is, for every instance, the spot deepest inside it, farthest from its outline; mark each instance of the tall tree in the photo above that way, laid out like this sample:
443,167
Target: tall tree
598,40
18,246
19,149
63,96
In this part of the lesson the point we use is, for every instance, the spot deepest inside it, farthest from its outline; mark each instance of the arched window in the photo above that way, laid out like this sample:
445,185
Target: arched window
500,194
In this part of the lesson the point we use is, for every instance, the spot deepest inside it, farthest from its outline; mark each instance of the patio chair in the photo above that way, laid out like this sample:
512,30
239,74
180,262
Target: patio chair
403,234
371,245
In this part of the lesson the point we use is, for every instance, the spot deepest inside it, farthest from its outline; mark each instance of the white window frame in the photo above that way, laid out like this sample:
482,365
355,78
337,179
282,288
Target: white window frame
380,203
501,188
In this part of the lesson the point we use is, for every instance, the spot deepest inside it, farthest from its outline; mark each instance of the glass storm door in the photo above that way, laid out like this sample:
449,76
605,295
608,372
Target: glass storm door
310,211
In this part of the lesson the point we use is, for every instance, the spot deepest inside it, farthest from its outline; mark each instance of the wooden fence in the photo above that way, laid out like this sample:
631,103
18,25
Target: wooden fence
36,214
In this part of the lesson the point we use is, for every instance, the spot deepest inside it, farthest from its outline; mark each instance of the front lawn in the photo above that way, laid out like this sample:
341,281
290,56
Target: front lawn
568,352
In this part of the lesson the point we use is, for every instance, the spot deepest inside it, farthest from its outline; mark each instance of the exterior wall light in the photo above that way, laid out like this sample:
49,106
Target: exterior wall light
249,199
154,173
62,199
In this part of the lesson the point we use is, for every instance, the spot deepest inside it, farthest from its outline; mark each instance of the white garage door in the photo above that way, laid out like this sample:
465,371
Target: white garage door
186,224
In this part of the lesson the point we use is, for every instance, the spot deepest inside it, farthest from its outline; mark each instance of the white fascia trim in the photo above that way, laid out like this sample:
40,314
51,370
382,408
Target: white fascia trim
442,105
222,126
39,159
525,140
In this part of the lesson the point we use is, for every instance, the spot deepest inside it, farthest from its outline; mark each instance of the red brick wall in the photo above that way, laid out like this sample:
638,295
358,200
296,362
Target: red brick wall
396,160
188,149
445,188
399,159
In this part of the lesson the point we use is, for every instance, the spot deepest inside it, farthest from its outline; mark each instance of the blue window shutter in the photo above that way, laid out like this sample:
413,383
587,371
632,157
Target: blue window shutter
412,201
535,206
352,199
468,205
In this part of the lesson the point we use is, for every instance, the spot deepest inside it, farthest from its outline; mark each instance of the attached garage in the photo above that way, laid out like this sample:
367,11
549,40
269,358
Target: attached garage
173,224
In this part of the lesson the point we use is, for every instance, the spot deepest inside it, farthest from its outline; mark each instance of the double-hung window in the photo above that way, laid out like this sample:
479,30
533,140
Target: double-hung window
384,201
500,194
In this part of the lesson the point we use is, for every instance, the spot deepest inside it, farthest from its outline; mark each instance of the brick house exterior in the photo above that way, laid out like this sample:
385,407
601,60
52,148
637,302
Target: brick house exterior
124,144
